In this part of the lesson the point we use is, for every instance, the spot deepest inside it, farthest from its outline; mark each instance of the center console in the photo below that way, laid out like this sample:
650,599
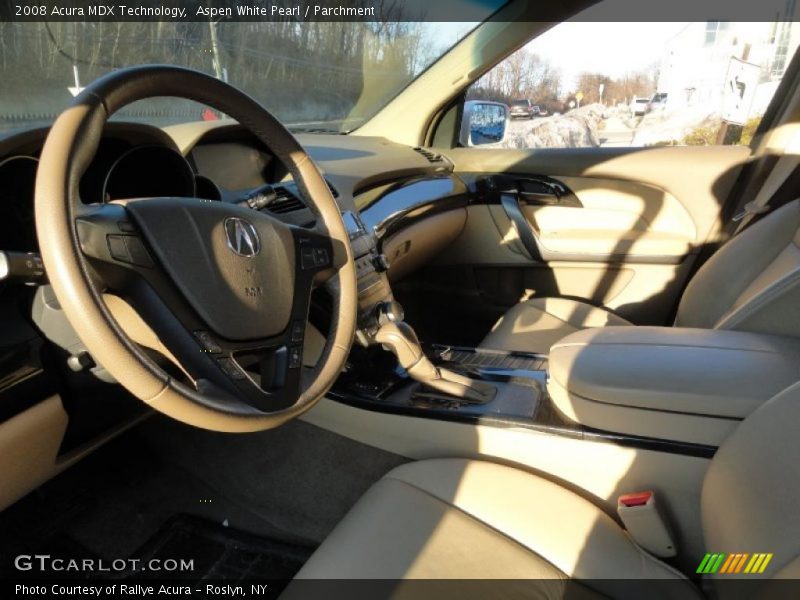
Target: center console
674,383
389,369
373,284
380,321
375,380
668,389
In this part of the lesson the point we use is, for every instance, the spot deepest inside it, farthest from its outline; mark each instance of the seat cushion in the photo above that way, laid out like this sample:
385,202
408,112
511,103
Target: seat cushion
536,324
464,519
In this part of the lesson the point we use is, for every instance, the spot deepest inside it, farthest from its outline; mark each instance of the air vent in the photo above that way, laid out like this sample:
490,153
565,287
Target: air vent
286,202
431,157
332,189
288,199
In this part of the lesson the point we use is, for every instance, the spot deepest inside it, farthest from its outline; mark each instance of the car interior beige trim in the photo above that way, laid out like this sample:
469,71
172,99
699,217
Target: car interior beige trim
760,455
615,218
536,324
701,371
655,245
699,177
556,528
690,385
139,331
456,518
645,200
751,284
639,292
674,426
416,245
569,461
29,444
611,204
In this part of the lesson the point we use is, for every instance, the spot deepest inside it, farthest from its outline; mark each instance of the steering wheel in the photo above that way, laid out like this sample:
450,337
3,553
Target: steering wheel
220,289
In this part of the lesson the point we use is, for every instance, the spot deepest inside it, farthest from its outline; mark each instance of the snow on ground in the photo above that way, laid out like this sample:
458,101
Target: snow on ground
670,126
576,129
594,125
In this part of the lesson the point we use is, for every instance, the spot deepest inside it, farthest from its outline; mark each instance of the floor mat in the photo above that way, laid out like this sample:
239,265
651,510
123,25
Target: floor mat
221,553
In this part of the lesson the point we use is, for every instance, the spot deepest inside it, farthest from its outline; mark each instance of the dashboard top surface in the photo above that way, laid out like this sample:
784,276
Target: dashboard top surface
227,162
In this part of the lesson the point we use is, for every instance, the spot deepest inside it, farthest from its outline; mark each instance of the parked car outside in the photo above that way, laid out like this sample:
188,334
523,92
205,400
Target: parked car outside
658,101
639,106
523,109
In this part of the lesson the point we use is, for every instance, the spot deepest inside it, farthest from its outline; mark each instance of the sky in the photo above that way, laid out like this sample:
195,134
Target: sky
608,48
576,47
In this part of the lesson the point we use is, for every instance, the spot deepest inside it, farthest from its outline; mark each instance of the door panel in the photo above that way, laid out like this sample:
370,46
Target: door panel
577,234
629,241
614,219
626,204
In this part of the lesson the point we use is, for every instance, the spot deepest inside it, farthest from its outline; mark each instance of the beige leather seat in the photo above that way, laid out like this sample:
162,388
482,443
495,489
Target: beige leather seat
464,519
751,284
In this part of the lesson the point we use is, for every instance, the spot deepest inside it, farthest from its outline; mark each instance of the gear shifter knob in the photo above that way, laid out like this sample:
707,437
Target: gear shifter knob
390,312
401,340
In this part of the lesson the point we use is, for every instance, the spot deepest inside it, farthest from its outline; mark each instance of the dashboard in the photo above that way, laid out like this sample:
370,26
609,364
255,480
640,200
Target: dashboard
387,193
370,177
384,190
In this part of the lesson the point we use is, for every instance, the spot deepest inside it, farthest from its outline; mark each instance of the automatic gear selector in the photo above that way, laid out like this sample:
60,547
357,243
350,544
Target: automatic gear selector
397,336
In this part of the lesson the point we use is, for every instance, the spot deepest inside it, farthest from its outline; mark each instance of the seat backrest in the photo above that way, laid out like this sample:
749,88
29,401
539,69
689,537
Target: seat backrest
752,283
751,492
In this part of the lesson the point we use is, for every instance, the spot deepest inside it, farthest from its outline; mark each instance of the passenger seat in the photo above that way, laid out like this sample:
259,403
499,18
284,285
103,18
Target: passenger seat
751,284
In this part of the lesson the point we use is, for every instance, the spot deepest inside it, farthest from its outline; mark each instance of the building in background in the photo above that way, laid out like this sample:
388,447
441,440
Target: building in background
707,62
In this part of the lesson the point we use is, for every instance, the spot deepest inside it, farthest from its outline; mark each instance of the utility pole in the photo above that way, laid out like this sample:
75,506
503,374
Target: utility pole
77,88
218,71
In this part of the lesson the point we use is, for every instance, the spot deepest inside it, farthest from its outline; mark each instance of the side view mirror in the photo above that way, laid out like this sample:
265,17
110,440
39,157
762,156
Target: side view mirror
483,122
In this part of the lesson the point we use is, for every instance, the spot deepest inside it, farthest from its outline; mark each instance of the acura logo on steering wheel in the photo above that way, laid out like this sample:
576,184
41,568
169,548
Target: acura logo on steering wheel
242,237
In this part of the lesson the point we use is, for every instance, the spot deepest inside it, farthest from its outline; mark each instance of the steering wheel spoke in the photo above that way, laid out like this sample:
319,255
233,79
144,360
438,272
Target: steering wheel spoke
319,254
264,372
106,234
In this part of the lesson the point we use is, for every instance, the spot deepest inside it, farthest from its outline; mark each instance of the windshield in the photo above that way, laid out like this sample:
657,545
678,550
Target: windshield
329,76
520,103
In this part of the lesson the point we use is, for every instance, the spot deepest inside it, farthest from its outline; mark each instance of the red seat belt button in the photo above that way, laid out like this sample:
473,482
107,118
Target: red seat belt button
635,499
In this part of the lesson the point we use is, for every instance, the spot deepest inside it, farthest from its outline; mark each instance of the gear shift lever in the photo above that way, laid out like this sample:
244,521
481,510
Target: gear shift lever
399,338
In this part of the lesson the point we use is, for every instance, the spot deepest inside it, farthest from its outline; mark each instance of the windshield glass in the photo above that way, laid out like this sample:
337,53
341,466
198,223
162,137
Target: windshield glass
330,76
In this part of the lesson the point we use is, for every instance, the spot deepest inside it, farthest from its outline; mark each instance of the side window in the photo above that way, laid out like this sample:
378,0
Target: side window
642,84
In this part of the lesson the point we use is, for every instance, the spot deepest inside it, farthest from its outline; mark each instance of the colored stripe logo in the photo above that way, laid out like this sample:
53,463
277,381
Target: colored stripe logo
731,564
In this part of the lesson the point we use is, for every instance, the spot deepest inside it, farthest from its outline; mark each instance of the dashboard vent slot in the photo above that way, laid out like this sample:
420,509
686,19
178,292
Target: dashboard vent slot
288,199
333,190
431,157
286,202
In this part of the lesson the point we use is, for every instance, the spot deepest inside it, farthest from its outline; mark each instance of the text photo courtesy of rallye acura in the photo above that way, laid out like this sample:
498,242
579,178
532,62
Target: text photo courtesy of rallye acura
142,591
399,300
